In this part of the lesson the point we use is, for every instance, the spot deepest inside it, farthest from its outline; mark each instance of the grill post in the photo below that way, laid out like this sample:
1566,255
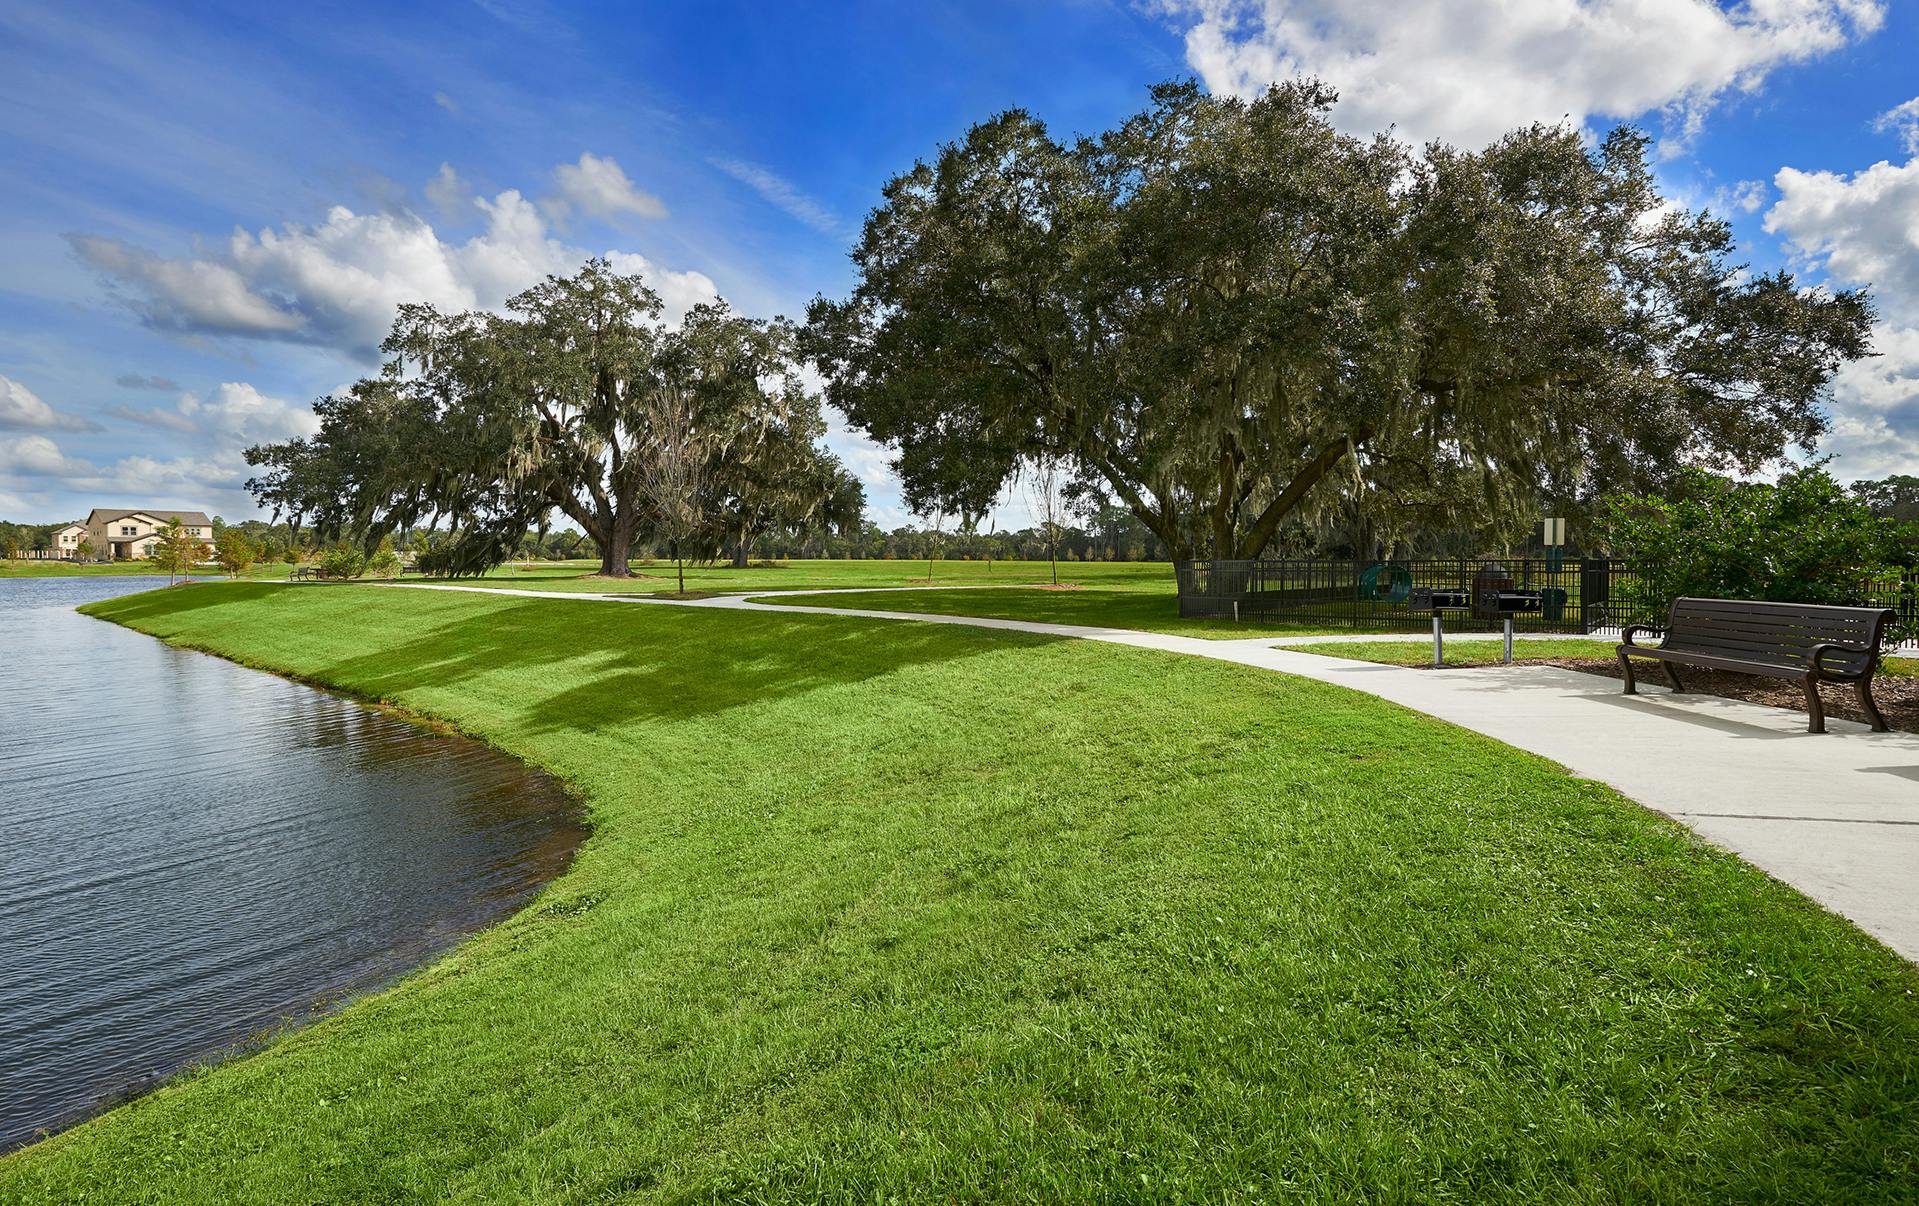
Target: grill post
1439,642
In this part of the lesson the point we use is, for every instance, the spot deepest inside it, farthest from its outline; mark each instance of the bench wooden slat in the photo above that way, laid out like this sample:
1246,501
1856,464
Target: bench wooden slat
1767,626
1775,640
1744,665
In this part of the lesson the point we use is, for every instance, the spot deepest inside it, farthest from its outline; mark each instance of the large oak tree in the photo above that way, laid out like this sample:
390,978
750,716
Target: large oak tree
1230,317
578,400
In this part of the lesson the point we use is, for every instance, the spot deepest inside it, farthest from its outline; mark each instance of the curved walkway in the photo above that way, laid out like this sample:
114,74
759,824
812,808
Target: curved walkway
1835,816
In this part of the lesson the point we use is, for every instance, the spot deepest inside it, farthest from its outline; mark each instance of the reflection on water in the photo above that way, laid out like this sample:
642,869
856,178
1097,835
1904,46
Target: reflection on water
191,852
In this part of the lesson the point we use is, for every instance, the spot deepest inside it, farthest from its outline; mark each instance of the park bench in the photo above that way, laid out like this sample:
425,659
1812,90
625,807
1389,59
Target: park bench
305,573
1812,643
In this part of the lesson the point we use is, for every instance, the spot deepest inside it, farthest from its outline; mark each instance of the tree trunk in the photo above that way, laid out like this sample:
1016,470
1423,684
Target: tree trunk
614,551
739,555
1254,541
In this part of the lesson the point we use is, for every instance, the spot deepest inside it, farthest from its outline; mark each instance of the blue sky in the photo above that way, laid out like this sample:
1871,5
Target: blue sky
208,215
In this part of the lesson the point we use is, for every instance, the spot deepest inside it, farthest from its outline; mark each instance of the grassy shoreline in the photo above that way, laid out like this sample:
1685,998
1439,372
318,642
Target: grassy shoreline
269,571
875,909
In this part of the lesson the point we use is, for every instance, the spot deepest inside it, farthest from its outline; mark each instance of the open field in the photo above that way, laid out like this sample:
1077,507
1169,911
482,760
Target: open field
875,909
1116,594
657,577
1151,606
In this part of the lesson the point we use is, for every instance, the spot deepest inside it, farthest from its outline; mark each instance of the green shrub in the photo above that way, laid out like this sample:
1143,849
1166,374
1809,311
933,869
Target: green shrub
342,561
385,563
1803,539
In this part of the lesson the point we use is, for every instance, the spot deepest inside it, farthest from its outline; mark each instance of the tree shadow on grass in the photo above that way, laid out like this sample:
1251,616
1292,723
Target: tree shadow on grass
610,665
161,602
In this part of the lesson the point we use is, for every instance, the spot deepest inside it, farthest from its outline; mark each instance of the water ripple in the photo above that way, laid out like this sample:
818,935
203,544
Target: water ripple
192,852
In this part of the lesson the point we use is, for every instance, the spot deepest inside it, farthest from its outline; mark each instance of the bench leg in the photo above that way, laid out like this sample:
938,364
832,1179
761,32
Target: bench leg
1864,687
1815,710
1672,676
1625,665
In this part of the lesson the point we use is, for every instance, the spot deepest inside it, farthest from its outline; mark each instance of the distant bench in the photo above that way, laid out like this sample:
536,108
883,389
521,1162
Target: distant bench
1810,642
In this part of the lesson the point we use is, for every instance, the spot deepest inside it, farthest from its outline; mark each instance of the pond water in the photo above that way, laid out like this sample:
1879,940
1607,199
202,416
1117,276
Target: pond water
192,852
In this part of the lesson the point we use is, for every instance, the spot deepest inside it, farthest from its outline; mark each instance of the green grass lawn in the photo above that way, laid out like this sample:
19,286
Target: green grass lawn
657,577
68,569
1476,652
1149,606
875,911
1112,594
1143,606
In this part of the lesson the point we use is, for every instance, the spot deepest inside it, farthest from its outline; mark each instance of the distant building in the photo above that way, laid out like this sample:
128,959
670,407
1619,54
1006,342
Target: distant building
66,541
122,535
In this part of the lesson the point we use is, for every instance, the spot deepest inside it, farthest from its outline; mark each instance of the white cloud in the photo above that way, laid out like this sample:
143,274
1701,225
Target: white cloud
1902,120
170,420
23,410
186,294
37,456
142,381
1746,196
213,484
36,476
597,187
1469,70
679,291
863,458
338,284
446,102
1875,422
1863,229
235,414
448,193
781,193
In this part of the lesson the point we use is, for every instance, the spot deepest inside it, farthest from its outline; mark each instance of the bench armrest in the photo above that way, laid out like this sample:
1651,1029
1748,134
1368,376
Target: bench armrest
1816,656
1633,630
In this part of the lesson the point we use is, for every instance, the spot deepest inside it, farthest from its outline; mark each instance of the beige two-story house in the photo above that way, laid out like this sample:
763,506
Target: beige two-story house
66,541
122,535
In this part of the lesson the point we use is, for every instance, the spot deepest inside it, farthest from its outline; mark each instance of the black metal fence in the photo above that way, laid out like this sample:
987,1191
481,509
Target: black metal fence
1591,594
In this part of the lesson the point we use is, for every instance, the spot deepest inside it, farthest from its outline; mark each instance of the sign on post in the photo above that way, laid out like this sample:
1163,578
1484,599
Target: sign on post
1555,542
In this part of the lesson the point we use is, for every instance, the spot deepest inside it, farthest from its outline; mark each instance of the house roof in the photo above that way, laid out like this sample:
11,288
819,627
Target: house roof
192,519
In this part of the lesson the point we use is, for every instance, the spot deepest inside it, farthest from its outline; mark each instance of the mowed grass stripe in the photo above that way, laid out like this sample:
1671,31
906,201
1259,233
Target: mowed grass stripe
878,909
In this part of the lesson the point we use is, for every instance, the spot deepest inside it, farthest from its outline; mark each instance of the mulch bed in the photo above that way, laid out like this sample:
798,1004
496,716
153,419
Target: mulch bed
1897,697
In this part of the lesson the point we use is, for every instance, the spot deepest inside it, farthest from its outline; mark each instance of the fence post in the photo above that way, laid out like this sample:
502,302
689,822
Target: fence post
1595,587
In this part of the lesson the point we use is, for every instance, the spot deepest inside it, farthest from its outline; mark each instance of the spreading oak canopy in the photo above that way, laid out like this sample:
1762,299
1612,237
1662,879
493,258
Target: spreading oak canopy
1230,317
579,401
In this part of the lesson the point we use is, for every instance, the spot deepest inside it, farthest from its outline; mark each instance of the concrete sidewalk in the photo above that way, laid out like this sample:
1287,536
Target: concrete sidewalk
1836,816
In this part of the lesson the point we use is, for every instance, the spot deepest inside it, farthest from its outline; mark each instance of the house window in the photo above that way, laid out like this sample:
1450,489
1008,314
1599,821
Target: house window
127,529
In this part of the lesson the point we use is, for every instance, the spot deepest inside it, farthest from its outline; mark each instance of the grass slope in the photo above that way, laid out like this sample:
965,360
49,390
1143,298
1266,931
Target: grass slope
877,909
